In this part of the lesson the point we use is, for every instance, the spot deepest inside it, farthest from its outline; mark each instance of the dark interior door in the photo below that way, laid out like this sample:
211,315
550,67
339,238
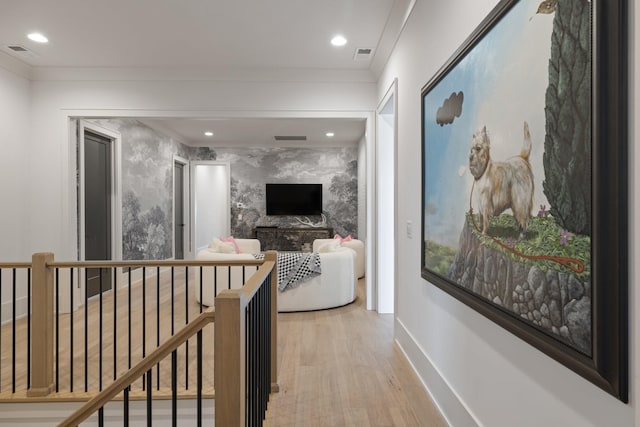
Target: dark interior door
178,209
97,208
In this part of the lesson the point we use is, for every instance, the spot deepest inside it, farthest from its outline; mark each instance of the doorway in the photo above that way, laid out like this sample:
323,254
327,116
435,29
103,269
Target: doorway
97,208
99,202
386,152
179,214
211,202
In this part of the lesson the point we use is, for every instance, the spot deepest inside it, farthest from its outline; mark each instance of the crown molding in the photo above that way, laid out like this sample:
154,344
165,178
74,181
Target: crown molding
395,24
202,74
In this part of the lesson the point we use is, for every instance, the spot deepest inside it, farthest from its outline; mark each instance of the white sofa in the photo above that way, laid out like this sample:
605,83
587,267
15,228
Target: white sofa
335,287
247,248
355,244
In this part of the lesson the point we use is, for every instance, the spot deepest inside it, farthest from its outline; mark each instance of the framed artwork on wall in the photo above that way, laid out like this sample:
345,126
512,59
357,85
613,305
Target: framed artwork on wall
524,212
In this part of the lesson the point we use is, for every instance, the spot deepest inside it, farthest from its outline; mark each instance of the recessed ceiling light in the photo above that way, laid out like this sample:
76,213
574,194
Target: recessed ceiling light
330,134
338,41
37,37
208,133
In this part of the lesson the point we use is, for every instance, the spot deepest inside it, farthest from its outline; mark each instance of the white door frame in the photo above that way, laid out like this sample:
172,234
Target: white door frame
186,196
116,192
390,96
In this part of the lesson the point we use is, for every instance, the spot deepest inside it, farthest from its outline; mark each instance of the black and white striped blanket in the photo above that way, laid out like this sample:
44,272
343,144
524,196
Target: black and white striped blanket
295,267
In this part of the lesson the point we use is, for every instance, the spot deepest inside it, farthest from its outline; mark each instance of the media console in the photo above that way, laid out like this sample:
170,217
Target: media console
289,239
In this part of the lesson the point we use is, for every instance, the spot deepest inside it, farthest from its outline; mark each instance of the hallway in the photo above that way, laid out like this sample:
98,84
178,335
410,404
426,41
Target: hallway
340,367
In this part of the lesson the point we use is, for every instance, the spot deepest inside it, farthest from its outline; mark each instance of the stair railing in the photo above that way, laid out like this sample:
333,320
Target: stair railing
245,369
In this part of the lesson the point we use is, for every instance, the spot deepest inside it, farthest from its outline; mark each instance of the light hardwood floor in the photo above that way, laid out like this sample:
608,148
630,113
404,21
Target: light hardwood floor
337,367
341,367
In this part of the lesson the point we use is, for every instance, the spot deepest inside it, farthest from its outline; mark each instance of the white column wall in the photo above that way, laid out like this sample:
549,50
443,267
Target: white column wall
52,189
14,143
479,373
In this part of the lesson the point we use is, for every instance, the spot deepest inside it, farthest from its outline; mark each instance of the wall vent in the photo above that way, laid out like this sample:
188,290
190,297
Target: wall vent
362,53
18,48
289,138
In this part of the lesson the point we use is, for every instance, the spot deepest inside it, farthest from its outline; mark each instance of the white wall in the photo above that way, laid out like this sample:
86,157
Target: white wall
14,133
14,170
54,101
479,373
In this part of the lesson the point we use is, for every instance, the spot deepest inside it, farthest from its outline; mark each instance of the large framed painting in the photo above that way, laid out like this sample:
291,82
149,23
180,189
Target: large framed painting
524,180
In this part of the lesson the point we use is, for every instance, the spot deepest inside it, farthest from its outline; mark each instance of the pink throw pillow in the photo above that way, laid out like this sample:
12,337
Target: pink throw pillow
230,239
343,239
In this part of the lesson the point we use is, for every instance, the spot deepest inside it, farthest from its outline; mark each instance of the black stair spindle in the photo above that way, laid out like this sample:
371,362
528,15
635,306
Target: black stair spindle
57,330
199,380
149,398
115,323
158,324
129,319
125,404
28,328
186,321
144,317
13,333
86,332
0,333
71,348
174,388
100,310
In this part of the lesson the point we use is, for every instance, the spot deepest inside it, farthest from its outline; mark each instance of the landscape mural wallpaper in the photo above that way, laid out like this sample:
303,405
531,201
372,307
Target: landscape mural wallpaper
147,188
147,185
251,168
507,167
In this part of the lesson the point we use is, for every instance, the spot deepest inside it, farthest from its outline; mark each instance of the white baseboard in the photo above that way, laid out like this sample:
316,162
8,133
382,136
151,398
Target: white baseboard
48,414
446,399
7,309
136,275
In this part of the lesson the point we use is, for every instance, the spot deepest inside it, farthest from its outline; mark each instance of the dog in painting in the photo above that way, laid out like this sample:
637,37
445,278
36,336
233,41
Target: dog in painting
502,185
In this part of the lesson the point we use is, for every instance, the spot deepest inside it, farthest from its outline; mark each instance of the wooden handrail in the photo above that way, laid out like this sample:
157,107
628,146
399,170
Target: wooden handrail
138,263
15,265
97,402
163,263
253,284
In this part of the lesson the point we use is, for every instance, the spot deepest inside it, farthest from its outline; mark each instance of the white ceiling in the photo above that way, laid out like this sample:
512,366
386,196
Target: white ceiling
208,35
261,132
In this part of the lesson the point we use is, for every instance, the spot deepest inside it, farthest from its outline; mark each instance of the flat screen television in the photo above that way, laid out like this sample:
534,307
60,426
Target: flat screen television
294,199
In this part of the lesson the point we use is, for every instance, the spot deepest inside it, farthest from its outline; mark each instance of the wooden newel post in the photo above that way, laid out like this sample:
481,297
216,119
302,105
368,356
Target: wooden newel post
273,256
42,325
229,359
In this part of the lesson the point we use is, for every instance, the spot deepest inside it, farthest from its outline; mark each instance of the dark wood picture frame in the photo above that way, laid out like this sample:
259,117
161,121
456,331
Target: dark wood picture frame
604,361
